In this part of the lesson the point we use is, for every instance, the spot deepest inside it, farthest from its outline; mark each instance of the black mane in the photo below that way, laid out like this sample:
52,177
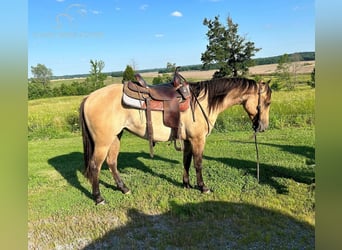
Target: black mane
217,89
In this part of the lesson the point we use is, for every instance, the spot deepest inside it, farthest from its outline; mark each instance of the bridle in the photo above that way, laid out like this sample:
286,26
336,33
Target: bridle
256,120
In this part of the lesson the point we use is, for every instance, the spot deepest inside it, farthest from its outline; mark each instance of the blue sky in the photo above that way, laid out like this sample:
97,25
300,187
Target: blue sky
65,34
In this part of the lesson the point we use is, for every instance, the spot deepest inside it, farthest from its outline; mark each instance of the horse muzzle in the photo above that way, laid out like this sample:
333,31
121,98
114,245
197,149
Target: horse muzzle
259,126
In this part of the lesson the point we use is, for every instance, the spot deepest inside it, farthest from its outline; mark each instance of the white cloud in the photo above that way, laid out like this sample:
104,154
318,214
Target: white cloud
83,12
96,12
144,6
176,14
117,8
159,35
60,1
296,8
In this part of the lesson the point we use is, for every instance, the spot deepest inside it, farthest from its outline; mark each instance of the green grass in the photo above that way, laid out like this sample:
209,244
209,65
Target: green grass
58,117
278,212
53,117
288,109
107,81
239,213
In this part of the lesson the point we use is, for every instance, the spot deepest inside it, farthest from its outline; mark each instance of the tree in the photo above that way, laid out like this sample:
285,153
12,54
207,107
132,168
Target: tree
96,76
41,74
295,65
128,74
162,79
170,67
283,71
228,50
312,83
134,65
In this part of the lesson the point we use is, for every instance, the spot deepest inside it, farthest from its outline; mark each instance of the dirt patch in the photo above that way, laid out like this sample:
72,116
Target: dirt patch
302,68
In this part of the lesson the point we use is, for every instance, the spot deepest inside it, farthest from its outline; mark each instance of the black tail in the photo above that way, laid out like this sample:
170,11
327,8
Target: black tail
88,143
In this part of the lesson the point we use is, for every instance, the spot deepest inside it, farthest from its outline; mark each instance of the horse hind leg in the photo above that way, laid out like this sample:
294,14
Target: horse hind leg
93,171
112,161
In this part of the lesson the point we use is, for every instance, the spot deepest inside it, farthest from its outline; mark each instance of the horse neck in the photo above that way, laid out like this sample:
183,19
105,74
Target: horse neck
232,98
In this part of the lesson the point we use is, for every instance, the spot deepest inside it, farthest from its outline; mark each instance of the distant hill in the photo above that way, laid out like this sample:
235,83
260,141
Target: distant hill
300,56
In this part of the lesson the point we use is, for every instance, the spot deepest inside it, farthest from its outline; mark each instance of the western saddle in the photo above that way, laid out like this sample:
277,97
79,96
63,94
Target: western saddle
170,98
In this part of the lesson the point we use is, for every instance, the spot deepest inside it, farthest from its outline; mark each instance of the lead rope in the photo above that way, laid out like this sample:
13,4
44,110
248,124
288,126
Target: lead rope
255,134
257,154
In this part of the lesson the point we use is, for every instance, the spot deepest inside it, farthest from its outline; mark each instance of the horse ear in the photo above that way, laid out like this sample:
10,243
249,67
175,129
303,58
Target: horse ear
264,84
176,81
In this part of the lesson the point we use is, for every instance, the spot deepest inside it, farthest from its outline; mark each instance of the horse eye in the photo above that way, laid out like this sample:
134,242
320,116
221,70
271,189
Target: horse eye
267,104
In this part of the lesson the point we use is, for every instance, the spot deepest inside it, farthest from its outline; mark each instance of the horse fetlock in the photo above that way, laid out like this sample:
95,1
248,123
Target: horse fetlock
204,190
99,200
125,190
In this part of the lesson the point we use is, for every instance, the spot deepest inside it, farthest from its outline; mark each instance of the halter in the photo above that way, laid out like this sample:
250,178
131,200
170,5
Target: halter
256,120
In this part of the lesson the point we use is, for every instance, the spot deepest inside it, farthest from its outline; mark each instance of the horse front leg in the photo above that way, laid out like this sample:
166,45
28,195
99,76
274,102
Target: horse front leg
197,151
187,157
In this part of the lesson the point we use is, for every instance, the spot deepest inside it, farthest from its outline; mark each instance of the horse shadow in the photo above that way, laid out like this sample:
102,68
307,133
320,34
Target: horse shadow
208,225
305,151
268,171
69,165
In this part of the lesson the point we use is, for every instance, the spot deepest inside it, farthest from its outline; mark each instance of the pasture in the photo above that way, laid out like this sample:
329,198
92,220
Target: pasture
278,212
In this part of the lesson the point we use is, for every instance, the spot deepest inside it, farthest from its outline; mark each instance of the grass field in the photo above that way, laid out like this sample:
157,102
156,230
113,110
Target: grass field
278,212
159,213
58,117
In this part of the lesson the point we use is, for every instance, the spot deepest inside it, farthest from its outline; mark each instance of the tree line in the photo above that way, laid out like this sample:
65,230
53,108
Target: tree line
39,86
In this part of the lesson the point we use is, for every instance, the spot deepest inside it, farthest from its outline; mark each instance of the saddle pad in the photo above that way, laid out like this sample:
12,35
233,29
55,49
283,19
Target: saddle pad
139,104
135,103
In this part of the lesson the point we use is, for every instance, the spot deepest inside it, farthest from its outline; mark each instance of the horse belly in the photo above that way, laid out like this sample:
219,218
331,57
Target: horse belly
136,123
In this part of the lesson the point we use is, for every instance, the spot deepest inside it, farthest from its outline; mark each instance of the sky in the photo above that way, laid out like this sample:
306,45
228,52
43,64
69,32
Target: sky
65,35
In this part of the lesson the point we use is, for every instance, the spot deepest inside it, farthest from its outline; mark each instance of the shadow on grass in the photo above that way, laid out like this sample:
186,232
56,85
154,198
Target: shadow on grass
69,165
305,151
267,171
209,225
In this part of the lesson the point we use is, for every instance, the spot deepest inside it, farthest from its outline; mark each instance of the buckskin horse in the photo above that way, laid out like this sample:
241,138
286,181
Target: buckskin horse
104,116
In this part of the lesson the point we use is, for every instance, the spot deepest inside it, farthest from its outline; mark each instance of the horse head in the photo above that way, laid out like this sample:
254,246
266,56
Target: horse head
257,105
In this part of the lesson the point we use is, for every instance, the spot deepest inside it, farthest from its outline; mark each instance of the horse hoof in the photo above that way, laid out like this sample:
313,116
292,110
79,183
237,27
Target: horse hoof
126,191
206,190
102,202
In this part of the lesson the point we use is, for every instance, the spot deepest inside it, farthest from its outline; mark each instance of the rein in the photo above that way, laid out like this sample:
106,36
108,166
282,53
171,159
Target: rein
257,154
202,110
199,104
244,187
255,131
